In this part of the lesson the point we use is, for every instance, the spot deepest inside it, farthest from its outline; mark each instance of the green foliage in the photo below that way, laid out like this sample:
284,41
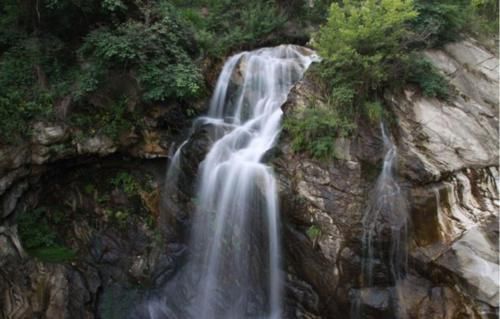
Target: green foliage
121,217
40,239
109,121
55,49
313,232
485,21
57,254
439,22
444,21
362,44
89,189
365,28
17,113
428,78
365,49
158,52
34,229
374,111
24,96
163,81
9,34
126,182
87,80
225,25
314,131
113,5
317,13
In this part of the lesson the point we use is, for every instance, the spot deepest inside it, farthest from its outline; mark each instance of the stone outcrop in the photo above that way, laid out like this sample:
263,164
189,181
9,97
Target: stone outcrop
41,172
112,233
53,142
448,167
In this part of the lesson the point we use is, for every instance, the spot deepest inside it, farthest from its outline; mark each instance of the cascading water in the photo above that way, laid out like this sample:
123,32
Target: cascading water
234,267
384,241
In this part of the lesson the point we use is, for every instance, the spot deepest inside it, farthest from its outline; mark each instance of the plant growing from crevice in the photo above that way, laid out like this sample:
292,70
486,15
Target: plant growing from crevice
422,73
314,233
314,130
110,121
126,182
39,237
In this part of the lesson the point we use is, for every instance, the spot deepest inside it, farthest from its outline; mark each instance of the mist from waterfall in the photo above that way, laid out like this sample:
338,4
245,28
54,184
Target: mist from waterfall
385,236
234,268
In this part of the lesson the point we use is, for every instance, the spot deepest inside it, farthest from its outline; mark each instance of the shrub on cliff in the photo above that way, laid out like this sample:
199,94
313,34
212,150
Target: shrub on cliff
54,50
314,131
156,47
362,44
443,21
366,50
222,26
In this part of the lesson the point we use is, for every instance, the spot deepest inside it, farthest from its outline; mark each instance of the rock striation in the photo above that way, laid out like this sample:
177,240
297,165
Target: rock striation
448,166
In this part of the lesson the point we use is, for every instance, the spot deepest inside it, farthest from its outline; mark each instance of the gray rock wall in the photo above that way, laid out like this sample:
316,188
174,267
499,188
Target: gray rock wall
448,165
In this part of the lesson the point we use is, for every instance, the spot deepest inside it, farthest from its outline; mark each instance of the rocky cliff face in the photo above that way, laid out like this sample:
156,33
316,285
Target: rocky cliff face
448,167
100,200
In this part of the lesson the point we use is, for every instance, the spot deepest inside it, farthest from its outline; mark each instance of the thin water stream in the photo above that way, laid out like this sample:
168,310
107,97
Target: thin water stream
385,236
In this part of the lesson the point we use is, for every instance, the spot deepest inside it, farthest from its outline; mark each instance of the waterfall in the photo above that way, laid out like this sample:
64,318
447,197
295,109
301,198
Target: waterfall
384,240
234,268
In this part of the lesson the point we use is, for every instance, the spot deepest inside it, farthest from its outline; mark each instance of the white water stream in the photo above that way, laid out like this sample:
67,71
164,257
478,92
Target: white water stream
385,236
234,268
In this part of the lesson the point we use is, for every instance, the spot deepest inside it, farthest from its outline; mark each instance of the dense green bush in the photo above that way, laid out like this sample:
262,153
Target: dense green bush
159,51
16,114
365,50
443,21
484,23
361,43
422,73
222,26
438,22
72,48
25,94
34,229
56,254
53,49
374,111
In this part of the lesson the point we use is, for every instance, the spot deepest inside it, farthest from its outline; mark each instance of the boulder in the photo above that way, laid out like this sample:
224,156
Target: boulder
48,134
